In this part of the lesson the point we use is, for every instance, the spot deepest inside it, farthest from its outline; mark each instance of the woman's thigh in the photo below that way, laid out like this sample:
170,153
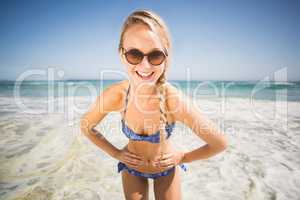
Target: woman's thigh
135,187
168,187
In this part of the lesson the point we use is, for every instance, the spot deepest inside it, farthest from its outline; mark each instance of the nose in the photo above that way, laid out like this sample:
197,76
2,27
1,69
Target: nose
145,64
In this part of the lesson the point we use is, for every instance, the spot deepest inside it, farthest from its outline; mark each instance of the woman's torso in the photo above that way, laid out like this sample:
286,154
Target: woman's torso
145,120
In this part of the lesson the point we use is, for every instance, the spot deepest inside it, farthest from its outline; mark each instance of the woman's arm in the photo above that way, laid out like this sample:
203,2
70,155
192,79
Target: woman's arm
109,100
183,109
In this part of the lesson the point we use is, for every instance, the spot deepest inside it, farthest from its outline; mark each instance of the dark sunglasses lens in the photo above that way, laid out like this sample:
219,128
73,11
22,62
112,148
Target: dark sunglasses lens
156,57
134,56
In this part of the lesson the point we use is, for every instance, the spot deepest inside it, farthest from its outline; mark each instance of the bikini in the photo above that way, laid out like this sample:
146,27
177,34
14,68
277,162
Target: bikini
153,138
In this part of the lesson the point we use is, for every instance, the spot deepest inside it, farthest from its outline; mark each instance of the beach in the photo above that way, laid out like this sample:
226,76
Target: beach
43,154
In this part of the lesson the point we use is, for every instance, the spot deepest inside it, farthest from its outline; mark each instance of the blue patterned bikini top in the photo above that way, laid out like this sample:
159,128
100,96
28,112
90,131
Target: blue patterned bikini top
154,138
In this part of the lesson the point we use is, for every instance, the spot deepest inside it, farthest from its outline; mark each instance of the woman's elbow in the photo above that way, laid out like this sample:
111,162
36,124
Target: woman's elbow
223,143
84,126
220,144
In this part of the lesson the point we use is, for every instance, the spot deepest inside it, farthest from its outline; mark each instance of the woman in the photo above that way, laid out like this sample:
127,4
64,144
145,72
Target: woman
149,107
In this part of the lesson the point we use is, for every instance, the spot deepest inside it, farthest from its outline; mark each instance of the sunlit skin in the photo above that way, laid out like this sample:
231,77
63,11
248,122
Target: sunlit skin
143,116
145,104
139,36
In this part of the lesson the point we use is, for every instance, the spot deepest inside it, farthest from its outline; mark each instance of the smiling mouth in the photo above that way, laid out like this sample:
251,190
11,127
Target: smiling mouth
145,76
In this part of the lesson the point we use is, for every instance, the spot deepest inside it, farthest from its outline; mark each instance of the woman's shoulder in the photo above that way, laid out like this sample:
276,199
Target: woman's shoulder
116,91
172,90
121,87
174,97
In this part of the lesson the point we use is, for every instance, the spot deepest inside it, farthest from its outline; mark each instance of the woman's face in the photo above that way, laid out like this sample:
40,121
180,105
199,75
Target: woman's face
141,38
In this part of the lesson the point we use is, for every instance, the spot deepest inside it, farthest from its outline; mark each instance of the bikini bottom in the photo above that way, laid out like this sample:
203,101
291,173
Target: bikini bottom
122,166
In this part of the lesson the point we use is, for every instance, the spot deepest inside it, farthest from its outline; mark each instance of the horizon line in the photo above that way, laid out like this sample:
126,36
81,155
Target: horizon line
224,80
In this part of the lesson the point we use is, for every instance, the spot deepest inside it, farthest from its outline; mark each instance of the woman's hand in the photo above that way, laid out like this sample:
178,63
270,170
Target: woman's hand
169,160
130,159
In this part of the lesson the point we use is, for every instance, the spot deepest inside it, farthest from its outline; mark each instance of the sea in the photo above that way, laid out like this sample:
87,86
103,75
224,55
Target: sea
44,155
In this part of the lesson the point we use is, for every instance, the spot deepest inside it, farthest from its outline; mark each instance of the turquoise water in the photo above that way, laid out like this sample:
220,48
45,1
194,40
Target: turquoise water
289,91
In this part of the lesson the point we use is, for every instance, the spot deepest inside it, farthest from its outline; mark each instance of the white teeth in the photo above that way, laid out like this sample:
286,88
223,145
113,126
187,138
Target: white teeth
144,74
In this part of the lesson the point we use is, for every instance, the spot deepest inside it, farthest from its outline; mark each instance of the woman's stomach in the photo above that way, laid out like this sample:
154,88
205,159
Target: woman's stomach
149,152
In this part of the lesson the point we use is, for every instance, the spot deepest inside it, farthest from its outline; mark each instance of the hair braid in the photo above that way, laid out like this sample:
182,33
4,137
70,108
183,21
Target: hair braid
163,112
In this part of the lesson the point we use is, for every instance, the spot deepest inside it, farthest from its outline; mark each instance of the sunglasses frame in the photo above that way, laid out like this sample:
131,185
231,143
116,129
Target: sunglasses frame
124,51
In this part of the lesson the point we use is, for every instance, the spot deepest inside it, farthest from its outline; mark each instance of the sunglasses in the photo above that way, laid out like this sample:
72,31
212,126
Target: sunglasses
135,56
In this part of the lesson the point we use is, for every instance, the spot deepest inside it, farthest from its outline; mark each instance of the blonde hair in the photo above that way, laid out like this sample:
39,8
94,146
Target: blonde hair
156,24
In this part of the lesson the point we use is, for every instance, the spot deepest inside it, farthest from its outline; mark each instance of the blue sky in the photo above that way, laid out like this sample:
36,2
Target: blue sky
214,39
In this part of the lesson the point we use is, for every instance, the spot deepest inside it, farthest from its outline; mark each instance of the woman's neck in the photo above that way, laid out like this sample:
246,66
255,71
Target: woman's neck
143,91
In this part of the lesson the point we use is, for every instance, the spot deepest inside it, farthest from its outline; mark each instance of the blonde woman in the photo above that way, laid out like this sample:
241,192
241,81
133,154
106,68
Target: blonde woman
149,107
